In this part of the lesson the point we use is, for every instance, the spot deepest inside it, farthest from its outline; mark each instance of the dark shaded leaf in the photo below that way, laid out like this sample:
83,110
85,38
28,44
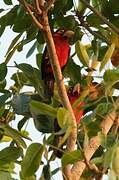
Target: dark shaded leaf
43,123
31,50
14,41
3,71
22,122
72,71
20,103
4,97
46,172
1,10
9,154
40,38
2,84
26,68
93,20
8,2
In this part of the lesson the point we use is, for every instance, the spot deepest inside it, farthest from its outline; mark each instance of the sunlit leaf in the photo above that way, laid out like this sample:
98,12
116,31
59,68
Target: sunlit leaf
42,108
115,164
32,159
82,53
107,56
14,134
5,175
71,157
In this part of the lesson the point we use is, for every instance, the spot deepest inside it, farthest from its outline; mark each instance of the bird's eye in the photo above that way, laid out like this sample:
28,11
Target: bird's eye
61,31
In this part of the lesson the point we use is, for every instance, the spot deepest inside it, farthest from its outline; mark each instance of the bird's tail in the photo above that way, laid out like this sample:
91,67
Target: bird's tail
49,87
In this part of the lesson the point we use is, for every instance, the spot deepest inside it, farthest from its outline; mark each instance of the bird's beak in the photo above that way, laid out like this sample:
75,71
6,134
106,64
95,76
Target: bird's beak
77,88
69,34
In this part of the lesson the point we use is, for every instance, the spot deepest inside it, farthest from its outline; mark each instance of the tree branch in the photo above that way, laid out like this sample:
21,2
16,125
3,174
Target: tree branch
49,4
112,26
38,7
26,6
71,142
94,143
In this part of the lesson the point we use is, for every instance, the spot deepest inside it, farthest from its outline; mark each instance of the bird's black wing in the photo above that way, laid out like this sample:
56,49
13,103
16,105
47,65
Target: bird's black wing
47,74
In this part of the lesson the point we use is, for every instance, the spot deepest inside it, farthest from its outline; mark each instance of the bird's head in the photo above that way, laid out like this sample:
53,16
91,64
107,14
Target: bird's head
67,34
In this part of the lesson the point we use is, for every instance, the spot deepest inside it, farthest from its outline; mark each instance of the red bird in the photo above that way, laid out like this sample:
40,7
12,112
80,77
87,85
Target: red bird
61,41
73,95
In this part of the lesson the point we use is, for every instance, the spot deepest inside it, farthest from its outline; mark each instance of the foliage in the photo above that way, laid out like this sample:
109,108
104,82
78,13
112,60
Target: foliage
85,61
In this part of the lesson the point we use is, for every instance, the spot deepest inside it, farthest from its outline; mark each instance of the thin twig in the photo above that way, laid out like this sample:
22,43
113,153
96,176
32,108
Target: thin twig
38,7
49,5
95,11
26,6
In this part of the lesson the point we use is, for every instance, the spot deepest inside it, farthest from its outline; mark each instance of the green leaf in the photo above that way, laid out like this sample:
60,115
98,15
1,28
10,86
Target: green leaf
82,53
26,68
3,71
107,56
12,44
46,172
115,164
32,159
38,60
96,4
71,157
3,84
22,23
8,2
22,122
20,103
44,123
114,6
108,156
5,175
72,71
107,141
3,98
1,10
31,50
94,20
42,108
55,171
14,134
11,53
63,116
103,108
111,76
81,8
40,38
8,167
9,154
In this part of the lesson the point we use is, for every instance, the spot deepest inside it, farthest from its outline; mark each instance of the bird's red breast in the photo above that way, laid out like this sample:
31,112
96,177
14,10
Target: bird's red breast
62,49
77,111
